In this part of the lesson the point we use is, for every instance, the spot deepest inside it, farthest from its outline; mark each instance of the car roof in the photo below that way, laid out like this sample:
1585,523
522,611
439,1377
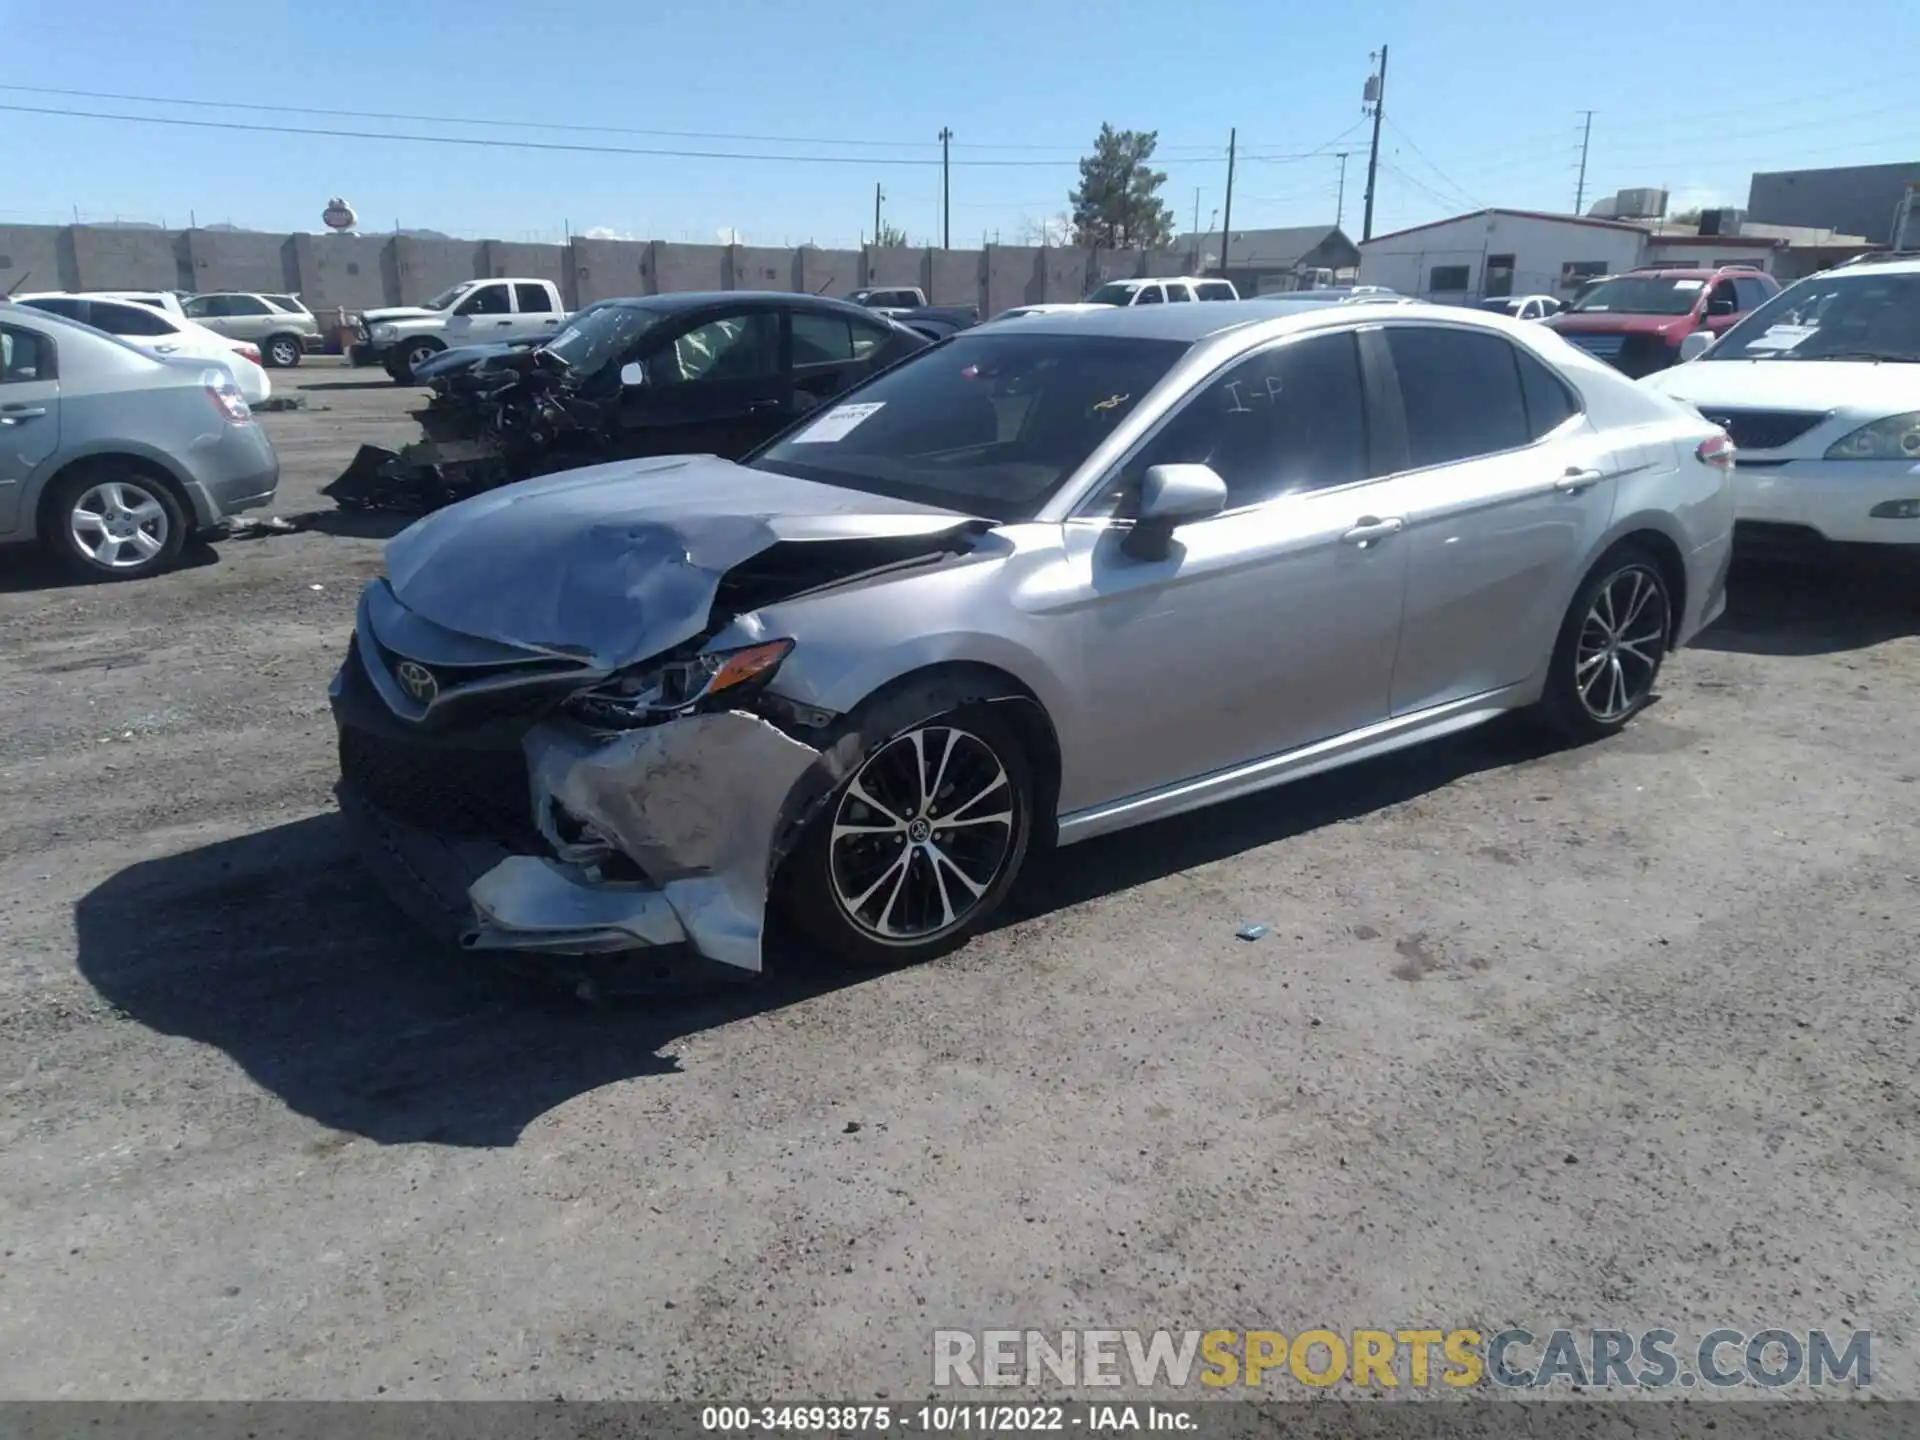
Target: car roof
681,300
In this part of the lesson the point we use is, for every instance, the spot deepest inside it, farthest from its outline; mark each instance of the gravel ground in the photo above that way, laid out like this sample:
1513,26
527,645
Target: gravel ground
1615,1036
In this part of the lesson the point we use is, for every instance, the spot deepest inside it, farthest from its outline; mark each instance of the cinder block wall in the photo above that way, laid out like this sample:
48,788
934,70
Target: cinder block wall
359,272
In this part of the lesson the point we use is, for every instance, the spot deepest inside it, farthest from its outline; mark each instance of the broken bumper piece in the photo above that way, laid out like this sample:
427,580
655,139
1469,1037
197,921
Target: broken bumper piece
531,903
660,837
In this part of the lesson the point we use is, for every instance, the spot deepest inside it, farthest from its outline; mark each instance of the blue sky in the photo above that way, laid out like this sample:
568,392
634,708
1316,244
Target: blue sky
1483,107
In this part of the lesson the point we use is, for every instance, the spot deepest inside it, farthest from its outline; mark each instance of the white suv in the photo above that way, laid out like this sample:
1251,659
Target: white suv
1176,290
1820,390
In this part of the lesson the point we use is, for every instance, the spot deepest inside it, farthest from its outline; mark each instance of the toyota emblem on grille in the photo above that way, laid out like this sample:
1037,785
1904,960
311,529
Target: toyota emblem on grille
417,681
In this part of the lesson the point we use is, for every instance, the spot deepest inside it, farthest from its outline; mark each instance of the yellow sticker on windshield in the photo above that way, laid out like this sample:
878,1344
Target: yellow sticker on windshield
1111,402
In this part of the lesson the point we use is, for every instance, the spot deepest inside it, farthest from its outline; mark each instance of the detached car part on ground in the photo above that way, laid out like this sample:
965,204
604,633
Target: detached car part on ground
1038,583
696,373
112,457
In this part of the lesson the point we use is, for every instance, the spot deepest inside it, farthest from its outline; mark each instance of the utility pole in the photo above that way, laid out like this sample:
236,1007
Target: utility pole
1580,187
1340,205
876,212
1375,95
1193,250
1226,233
946,205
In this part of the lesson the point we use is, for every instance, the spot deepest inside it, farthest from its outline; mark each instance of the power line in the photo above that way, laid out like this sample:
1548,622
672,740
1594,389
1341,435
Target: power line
1427,160
476,142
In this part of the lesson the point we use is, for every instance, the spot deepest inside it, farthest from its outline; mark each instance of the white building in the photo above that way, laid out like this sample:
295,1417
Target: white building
1500,252
1529,252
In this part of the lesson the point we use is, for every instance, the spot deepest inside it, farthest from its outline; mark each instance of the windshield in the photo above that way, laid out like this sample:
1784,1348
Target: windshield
986,424
1641,295
446,297
1115,294
1858,316
600,334
1502,306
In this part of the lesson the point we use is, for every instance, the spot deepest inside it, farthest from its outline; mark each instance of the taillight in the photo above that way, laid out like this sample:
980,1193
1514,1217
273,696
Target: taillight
1717,451
251,352
226,397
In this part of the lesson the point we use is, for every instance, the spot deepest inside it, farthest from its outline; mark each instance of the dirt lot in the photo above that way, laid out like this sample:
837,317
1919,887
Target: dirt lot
1618,1036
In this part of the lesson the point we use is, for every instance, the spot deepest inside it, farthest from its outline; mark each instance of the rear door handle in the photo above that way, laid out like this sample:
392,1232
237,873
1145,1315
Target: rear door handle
14,414
1369,528
760,407
1577,480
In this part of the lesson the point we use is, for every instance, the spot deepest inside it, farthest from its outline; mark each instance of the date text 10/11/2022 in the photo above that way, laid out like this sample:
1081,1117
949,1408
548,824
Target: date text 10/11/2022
1094,1419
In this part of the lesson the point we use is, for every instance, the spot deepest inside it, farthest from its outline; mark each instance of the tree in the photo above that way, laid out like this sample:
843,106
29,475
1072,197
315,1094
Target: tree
1057,231
1118,203
890,235
1685,217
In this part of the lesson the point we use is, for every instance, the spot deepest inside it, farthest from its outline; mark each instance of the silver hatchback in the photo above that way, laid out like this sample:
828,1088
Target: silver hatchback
1037,583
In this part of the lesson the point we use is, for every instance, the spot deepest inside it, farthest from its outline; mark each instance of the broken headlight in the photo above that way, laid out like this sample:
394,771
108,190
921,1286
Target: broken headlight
661,689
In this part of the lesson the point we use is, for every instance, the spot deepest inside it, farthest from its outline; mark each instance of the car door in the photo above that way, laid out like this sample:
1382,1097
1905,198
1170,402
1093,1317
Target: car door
832,352
1505,491
1265,628
213,311
483,316
1722,307
247,318
143,328
29,416
715,385
535,313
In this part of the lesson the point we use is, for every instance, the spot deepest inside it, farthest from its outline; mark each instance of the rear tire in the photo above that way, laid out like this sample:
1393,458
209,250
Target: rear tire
281,352
897,868
1611,646
113,520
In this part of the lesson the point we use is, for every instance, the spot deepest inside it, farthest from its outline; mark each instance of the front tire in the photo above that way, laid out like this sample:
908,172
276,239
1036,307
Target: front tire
915,852
113,521
282,352
409,354
1612,643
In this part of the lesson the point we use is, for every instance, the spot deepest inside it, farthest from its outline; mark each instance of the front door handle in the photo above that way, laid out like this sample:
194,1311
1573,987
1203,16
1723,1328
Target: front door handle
761,407
14,414
1577,480
1369,528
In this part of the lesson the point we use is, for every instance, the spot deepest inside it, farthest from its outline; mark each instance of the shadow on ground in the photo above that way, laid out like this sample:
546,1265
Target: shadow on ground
25,568
278,950
1821,603
352,385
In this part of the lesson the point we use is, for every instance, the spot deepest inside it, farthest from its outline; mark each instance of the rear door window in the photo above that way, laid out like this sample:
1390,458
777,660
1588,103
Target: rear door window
821,339
1550,404
533,299
1460,391
24,356
1177,294
1149,295
136,320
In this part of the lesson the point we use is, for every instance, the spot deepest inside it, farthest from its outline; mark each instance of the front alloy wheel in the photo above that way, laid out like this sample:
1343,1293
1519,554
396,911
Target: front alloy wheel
1622,642
920,834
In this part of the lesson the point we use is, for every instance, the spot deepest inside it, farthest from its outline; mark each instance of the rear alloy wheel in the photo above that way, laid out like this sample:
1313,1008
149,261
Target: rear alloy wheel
282,352
114,524
919,847
1611,648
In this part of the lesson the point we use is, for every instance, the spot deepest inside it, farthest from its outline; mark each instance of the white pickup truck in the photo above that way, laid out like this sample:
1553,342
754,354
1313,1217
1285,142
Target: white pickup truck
474,312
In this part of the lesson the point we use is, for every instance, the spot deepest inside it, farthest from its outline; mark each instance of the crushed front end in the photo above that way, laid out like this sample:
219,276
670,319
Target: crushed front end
516,800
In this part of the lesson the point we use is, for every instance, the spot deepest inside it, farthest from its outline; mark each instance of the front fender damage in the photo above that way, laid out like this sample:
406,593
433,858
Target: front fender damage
702,805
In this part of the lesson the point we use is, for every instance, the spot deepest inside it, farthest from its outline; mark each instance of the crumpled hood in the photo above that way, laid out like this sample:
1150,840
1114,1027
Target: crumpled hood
616,563
400,312
1793,384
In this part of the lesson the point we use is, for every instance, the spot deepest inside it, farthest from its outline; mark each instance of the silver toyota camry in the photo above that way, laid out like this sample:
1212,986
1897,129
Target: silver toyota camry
1034,584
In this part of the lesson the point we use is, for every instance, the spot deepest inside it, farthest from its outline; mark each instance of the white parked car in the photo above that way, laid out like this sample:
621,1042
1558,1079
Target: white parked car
161,332
1018,312
1819,389
1522,307
1170,290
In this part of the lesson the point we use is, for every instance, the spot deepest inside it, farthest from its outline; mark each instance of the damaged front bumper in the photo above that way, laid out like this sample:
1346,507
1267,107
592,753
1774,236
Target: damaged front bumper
641,839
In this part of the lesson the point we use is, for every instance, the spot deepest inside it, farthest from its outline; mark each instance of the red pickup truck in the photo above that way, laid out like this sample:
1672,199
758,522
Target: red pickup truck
1636,321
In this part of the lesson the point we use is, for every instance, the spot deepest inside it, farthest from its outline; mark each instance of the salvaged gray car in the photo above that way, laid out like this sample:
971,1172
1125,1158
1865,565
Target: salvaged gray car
1035,584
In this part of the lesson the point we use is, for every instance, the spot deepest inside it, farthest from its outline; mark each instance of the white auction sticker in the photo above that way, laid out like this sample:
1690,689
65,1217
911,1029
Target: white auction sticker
1782,337
1688,284
837,423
